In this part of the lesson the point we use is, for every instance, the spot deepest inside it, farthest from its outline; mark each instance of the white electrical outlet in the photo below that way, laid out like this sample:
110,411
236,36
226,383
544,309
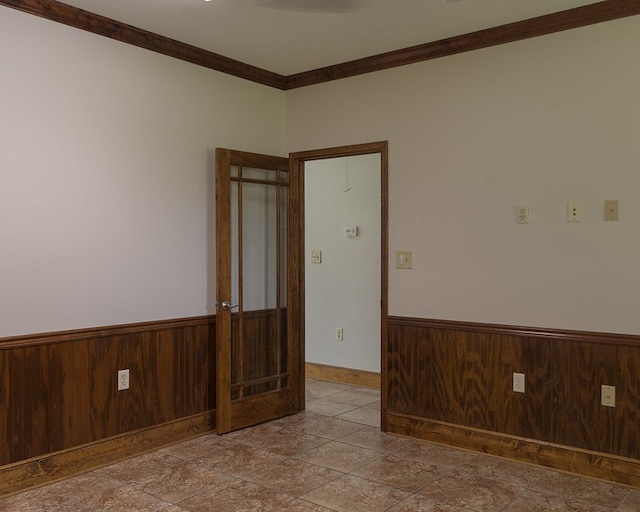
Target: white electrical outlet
339,334
316,256
123,379
573,212
522,214
608,396
518,382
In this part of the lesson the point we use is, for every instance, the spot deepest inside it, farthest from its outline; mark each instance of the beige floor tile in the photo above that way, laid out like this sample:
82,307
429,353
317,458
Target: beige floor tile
410,475
517,473
184,481
353,494
329,427
362,415
580,489
631,503
197,447
357,396
294,421
66,493
372,438
241,496
472,493
435,454
302,506
418,503
277,439
239,460
118,500
321,389
139,468
293,477
339,456
375,405
536,501
327,407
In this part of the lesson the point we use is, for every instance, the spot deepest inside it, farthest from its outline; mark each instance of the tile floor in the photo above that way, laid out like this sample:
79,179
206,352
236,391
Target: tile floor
330,457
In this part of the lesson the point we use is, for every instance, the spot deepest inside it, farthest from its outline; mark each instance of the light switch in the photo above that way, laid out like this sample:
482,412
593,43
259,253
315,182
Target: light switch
316,256
404,259
351,231
611,209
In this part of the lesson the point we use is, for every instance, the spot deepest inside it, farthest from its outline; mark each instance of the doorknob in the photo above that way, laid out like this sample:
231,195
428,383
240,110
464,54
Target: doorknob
226,305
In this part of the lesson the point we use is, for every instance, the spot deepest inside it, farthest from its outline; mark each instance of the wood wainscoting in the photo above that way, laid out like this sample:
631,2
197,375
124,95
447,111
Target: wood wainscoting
452,382
60,409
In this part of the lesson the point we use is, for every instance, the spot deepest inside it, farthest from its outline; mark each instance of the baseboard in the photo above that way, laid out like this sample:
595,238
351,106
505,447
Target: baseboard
597,465
343,375
27,474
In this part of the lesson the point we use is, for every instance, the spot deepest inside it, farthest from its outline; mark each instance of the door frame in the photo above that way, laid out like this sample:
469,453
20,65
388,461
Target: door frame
297,166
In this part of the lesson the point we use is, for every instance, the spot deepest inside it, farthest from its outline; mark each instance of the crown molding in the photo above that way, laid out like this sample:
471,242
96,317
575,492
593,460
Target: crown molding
542,25
533,27
85,20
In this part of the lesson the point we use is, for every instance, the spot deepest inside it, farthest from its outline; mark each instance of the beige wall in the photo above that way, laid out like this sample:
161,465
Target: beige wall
539,122
105,164
105,157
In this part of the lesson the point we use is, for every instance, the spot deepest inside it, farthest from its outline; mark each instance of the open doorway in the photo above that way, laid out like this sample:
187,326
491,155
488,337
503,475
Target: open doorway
342,267
343,171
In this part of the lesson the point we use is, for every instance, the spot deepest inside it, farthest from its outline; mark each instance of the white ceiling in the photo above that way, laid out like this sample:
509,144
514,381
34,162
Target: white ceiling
288,42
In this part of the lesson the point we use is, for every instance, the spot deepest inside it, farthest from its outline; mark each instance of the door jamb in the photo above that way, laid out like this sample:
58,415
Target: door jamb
297,162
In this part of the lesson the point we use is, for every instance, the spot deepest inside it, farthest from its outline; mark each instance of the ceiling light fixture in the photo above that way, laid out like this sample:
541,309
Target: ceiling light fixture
317,6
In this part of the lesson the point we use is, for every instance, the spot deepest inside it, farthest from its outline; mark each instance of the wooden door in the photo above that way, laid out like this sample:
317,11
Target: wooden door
258,350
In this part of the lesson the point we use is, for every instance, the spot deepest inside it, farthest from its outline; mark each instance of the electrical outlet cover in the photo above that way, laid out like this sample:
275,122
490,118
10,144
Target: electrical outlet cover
573,212
522,214
608,396
123,379
518,382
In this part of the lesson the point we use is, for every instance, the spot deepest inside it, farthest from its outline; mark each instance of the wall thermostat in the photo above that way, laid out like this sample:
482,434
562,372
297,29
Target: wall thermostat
351,231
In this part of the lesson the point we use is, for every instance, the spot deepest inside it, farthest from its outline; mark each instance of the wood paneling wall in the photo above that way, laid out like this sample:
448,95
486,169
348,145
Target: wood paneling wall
449,382
459,376
59,390
61,413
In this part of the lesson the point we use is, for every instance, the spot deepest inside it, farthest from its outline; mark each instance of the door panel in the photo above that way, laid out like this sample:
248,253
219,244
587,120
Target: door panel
257,339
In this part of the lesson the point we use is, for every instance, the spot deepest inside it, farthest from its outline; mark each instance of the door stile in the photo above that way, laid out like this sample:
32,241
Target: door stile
295,267
278,279
223,289
239,341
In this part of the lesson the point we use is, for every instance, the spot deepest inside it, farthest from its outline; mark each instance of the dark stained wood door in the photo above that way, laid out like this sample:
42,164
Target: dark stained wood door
258,364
